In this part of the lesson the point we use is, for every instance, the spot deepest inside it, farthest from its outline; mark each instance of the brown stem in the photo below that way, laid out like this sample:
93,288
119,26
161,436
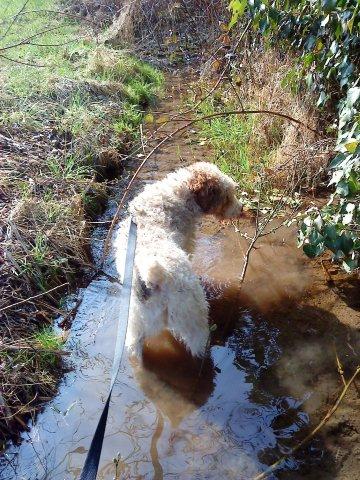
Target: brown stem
308,437
26,300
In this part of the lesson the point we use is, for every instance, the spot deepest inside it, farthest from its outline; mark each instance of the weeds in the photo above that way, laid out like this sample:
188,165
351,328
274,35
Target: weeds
49,343
244,145
229,139
66,121
67,168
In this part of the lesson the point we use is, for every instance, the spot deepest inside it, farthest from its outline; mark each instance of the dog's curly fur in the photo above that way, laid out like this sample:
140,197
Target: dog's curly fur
167,295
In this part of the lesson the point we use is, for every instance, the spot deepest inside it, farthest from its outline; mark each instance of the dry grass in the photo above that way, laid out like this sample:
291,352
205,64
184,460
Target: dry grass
64,130
287,153
296,154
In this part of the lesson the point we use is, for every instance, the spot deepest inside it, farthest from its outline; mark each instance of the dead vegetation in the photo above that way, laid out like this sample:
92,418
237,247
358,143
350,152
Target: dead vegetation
288,154
64,130
170,33
296,155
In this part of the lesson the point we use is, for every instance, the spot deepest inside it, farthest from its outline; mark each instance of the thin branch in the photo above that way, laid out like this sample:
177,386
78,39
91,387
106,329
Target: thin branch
308,437
53,44
20,348
26,300
172,135
70,15
21,409
255,237
28,64
26,41
251,112
223,71
15,17
339,366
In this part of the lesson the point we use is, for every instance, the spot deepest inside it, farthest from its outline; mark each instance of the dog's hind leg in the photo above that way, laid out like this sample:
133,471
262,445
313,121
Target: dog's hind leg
146,319
188,315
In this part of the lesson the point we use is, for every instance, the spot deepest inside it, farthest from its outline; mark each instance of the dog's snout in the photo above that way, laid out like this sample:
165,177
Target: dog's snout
239,209
234,210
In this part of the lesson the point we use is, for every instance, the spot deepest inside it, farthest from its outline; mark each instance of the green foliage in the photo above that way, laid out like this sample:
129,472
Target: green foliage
237,8
229,138
67,167
291,81
326,35
40,263
48,341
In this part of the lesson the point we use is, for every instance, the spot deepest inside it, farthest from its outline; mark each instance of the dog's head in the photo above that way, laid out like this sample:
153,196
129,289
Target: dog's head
213,191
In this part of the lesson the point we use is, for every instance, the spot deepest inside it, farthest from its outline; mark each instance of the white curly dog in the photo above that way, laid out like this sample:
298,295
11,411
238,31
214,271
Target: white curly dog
167,294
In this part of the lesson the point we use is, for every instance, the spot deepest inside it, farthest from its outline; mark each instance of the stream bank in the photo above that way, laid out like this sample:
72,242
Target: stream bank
271,372
70,108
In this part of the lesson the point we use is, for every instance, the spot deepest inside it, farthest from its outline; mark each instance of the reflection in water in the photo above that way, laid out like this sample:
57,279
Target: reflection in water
226,417
158,470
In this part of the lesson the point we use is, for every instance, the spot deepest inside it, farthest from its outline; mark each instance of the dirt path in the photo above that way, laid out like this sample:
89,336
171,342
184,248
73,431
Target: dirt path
270,376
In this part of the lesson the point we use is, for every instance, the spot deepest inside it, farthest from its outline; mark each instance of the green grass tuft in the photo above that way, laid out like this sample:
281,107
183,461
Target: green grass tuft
229,139
48,339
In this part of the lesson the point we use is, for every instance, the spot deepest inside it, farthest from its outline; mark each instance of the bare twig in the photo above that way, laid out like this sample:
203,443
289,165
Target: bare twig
57,12
223,73
339,366
28,64
21,409
172,135
26,300
15,17
19,348
27,40
308,437
255,236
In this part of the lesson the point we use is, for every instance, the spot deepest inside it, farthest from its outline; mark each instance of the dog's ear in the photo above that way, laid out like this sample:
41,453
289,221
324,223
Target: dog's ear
206,189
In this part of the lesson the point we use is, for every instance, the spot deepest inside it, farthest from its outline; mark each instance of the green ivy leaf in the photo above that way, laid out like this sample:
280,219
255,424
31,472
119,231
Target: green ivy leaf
346,244
237,8
310,42
350,264
322,99
337,161
328,5
342,188
308,59
351,146
330,232
313,251
352,96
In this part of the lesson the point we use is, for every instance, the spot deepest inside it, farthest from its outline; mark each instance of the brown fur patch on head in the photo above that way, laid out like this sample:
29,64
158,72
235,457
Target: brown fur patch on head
208,191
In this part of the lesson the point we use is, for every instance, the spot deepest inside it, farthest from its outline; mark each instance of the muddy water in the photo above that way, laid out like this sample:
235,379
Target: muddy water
267,372
211,420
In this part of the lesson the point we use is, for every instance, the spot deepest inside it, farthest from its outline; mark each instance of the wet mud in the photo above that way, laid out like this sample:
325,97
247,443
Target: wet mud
269,376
